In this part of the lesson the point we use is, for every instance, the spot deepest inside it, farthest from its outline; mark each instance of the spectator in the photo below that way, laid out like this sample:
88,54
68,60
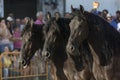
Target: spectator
22,25
95,7
111,21
118,13
40,19
10,24
6,62
104,14
12,16
109,18
117,16
17,38
94,11
100,13
18,22
57,15
5,36
67,15
118,25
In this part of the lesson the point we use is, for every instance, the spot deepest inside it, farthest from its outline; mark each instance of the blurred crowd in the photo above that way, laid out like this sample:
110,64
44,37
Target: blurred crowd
114,20
11,28
10,32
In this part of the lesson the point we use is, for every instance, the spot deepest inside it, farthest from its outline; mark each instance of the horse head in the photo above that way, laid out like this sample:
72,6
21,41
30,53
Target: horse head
77,46
54,39
51,39
79,30
32,40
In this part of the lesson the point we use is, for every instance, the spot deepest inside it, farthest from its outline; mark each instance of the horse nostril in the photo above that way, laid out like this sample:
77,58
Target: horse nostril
23,62
47,54
72,48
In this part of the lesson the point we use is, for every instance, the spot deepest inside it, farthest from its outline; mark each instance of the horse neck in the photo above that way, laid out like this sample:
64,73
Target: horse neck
60,50
59,55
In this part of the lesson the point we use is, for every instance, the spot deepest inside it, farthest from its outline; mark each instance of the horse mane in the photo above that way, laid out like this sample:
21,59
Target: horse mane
105,26
36,28
108,39
63,24
37,35
37,32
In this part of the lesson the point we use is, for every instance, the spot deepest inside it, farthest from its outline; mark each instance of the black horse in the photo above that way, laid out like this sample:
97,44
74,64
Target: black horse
33,40
103,40
55,42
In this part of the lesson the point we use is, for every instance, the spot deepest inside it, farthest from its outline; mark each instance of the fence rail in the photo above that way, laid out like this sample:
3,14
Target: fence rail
11,68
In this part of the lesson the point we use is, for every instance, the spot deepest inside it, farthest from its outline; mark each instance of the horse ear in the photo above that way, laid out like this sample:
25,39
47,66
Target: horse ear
48,16
31,22
72,9
27,26
82,9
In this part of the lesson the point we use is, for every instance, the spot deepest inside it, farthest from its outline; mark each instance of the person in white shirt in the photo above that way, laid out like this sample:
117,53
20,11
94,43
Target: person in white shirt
118,27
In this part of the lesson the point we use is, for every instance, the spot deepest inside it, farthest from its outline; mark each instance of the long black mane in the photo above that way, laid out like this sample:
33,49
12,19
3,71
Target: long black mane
63,24
38,35
103,37
103,24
